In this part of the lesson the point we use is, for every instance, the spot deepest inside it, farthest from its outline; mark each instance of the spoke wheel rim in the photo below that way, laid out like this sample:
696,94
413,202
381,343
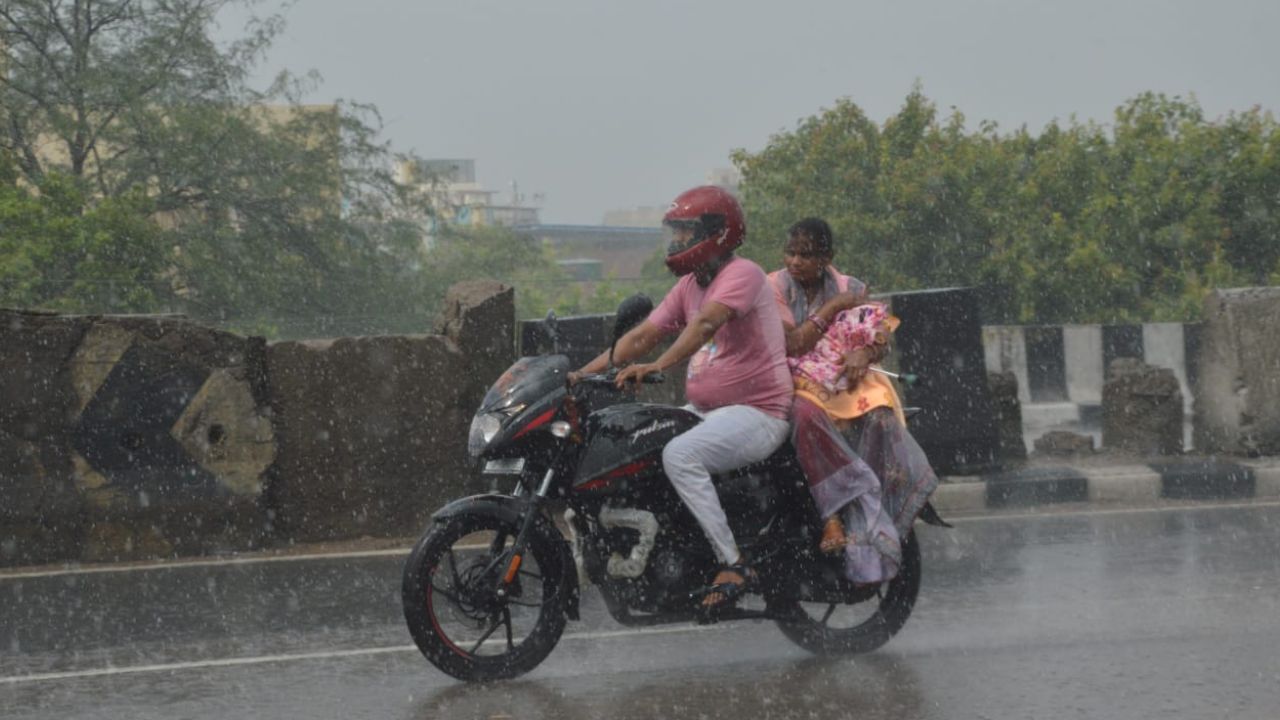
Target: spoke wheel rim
835,616
464,606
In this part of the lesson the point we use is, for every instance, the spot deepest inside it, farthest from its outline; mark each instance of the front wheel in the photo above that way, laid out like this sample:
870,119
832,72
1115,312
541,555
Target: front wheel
848,629
456,614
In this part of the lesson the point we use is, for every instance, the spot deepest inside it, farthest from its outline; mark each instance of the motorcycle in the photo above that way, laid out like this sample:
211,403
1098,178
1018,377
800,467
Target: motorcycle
488,589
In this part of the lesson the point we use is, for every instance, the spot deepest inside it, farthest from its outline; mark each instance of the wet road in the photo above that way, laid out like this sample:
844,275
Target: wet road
1166,613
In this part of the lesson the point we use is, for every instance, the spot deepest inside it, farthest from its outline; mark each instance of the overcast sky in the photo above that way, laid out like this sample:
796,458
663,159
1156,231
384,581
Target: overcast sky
604,105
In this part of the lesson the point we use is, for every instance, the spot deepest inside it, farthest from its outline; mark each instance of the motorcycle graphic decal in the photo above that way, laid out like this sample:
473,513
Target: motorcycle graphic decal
635,436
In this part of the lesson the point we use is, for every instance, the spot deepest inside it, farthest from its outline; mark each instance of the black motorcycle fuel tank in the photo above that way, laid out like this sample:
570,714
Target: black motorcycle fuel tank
627,440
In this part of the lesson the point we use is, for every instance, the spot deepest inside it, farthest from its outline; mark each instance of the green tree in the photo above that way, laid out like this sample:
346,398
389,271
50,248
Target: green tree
1079,223
276,214
467,253
54,255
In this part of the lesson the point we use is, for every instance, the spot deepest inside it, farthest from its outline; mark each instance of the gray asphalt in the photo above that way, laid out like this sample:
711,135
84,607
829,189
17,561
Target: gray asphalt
1160,613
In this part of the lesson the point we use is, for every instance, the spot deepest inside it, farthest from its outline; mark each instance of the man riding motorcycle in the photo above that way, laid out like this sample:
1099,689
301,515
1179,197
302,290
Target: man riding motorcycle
729,328
488,588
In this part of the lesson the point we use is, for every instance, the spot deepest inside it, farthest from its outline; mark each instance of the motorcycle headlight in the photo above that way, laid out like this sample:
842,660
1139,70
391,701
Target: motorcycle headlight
483,429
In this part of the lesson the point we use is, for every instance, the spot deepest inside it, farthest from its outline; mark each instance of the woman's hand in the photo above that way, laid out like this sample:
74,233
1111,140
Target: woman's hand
856,363
635,373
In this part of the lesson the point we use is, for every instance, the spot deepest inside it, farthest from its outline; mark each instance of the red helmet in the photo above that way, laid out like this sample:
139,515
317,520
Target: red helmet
715,218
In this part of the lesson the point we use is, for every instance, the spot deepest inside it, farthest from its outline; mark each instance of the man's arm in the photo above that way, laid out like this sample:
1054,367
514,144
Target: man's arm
638,341
709,319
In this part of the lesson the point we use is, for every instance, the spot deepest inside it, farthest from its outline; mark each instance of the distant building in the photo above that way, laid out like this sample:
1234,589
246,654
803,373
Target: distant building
442,169
651,216
647,217
458,199
583,269
595,252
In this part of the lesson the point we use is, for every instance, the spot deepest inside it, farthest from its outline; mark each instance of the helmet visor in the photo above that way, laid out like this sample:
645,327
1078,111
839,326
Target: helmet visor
681,235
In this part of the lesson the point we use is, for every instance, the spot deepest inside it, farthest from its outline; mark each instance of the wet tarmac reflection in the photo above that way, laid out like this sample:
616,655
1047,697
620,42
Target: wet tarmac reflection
871,687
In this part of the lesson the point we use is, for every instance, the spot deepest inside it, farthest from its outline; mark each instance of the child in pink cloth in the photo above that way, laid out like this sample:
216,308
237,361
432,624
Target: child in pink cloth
850,330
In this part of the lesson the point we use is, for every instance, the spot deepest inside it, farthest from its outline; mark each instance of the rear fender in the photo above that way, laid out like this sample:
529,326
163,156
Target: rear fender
511,510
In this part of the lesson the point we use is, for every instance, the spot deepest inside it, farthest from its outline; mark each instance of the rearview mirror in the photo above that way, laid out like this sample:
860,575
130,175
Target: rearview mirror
551,326
631,312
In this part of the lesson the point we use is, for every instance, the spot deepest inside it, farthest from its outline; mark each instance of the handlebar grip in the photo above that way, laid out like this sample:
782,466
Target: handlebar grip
608,379
599,379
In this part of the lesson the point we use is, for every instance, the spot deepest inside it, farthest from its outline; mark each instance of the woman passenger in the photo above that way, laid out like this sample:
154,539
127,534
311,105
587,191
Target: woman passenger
868,476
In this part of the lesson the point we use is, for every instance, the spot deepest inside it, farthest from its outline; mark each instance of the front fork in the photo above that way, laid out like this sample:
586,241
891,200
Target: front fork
533,509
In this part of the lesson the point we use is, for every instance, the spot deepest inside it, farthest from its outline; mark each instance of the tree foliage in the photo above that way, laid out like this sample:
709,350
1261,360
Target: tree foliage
56,254
273,213
524,262
1132,222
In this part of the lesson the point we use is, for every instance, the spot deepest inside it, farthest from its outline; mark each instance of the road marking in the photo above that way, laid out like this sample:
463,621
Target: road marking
325,655
203,562
212,562
1043,512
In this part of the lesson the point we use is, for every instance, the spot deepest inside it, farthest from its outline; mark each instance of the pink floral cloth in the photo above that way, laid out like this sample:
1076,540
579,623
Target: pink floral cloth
850,330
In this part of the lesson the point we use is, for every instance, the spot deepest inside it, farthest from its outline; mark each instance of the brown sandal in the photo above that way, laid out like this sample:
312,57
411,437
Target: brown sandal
731,582
833,536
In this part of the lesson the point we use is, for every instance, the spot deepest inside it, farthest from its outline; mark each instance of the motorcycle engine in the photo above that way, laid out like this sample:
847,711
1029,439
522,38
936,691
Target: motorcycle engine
669,571
669,568
674,573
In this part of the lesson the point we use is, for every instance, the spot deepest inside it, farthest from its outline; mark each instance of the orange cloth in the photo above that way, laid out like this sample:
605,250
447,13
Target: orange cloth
873,391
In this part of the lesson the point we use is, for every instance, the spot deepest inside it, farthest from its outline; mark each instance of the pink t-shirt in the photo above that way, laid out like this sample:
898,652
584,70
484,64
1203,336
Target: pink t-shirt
745,363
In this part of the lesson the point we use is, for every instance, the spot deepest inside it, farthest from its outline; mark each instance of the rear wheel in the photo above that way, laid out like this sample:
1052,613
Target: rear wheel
851,628
458,617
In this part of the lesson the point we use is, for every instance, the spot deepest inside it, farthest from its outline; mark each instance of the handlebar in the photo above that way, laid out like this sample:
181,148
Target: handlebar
610,379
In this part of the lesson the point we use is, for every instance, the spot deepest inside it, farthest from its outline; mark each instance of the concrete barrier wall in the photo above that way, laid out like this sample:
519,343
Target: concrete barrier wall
372,434
1045,358
1061,369
940,340
1237,381
1082,362
1227,367
137,437
131,437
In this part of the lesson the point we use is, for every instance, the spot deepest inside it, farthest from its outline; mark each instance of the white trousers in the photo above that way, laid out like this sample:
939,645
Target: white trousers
727,438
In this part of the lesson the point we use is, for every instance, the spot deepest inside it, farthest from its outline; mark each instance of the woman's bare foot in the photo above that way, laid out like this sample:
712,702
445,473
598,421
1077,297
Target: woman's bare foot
833,537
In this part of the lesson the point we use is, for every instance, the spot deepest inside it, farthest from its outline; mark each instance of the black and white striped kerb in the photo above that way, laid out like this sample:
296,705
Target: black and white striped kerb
1046,364
1193,478
1068,363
